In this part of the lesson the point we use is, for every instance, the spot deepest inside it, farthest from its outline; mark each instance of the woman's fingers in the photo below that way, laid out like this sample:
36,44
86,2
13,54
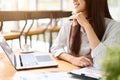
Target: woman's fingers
88,61
85,62
81,61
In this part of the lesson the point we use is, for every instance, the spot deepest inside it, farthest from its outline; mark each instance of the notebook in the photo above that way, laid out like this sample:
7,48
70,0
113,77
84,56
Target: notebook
87,73
27,61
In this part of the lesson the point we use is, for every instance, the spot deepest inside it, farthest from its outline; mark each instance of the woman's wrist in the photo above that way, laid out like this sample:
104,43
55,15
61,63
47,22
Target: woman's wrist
71,59
87,25
66,57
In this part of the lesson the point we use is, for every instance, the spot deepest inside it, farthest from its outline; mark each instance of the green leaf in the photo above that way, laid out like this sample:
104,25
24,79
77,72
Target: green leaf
111,63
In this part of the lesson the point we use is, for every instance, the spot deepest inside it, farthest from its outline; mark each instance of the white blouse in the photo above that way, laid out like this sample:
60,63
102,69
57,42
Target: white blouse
111,36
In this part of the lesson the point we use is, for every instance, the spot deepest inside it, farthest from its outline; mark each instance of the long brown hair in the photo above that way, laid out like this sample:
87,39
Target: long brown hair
97,10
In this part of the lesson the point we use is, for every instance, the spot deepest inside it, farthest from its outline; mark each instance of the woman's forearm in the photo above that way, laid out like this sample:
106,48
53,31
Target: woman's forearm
92,37
66,57
78,61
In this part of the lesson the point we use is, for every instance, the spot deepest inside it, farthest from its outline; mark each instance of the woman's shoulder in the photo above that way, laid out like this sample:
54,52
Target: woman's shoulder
111,22
66,25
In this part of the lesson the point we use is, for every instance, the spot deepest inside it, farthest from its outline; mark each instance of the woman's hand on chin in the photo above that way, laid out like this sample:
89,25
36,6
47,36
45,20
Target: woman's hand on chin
81,18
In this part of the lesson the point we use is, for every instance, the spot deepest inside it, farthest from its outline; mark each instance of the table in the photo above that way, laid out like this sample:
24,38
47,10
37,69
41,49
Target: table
7,71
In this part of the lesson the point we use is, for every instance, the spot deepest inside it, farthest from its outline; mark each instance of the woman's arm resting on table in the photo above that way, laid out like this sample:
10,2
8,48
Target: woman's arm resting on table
78,61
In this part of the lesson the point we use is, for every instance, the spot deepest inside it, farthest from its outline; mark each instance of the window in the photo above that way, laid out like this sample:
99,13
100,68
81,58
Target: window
67,5
7,5
114,7
26,5
48,4
14,5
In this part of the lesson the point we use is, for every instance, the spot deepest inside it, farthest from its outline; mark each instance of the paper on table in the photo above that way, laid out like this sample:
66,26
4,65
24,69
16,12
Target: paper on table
46,76
88,71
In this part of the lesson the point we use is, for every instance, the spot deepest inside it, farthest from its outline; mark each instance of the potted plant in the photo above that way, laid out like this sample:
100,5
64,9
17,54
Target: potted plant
111,63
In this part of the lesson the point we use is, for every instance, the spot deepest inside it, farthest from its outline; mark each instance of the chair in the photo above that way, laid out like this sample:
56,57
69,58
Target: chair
28,15
52,30
13,35
30,32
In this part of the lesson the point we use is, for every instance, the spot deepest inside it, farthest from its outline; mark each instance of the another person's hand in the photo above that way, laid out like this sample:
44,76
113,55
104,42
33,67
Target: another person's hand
81,61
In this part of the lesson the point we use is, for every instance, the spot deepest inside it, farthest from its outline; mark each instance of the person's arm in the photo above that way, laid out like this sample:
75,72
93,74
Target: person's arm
58,49
92,37
110,38
61,40
77,61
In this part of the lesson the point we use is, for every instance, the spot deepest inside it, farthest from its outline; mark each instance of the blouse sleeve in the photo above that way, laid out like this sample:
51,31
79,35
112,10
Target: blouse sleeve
110,38
61,40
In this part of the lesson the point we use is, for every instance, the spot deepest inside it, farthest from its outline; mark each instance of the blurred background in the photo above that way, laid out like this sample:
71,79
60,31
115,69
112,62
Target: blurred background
17,5
65,5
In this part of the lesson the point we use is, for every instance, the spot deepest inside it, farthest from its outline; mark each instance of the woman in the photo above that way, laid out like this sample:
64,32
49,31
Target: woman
86,34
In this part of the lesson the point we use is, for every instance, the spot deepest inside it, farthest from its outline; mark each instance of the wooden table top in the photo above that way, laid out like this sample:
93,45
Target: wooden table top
7,71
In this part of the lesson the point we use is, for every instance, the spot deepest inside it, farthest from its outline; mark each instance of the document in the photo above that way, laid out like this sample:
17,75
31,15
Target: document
43,76
88,72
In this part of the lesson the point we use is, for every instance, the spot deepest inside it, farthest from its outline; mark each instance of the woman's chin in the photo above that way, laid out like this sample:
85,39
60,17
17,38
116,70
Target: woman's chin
77,11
